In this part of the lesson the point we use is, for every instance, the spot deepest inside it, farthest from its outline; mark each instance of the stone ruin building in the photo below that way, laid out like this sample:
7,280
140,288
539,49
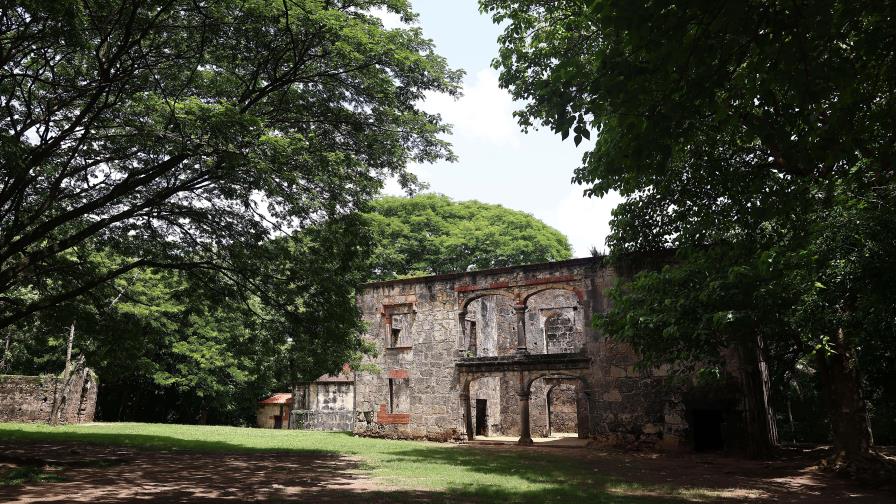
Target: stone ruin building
34,398
509,352
327,403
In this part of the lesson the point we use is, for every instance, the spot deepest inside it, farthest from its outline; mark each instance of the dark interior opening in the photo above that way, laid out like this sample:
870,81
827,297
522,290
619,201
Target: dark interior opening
391,396
707,428
396,333
481,417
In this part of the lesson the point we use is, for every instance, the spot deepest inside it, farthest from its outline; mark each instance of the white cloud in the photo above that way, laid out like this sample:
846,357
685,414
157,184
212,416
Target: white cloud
585,221
390,20
483,113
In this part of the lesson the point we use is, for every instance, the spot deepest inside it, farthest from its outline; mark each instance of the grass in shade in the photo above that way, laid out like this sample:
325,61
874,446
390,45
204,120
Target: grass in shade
453,472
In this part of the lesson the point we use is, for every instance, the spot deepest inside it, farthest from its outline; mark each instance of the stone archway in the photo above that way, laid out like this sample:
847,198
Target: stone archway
581,408
562,407
520,372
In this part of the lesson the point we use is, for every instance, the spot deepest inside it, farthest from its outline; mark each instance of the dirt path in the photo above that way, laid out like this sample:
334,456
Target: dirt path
112,474
794,476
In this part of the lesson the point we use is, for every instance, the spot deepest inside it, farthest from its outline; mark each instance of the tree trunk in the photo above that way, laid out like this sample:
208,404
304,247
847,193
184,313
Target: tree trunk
60,396
6,350
124,397
849,414
759,417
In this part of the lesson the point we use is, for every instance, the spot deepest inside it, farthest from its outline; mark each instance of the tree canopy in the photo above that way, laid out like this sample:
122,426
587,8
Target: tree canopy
181,181
185,346
183,133
431,234
757,138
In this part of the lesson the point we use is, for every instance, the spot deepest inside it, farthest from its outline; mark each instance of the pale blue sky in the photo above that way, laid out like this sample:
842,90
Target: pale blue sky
498,163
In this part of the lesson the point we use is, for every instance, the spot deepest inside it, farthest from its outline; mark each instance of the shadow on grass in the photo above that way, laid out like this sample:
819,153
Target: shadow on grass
218,470
28,474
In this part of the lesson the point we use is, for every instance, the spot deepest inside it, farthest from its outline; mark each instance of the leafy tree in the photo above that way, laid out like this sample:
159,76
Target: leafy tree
741,125
431,234
181,134
187,346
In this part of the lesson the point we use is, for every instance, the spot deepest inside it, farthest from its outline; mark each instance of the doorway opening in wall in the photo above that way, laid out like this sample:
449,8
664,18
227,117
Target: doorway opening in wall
481,417
706,426
563,408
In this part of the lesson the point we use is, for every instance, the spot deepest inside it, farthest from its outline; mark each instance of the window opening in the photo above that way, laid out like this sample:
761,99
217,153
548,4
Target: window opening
391,395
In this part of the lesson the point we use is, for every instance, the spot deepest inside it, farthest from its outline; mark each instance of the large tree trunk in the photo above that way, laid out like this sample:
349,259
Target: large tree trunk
60,396
759,416
849,415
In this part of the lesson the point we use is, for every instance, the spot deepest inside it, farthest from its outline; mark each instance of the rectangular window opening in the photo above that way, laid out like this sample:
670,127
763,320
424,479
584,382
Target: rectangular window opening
391,395
399,326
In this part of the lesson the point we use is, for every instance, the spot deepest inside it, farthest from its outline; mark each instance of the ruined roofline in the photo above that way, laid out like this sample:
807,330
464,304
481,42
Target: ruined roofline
581,261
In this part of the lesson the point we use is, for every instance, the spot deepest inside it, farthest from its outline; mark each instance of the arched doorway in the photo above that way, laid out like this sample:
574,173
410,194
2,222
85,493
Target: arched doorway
562,409
558,407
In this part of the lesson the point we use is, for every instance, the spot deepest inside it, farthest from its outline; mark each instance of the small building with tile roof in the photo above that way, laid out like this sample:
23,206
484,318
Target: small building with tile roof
327,403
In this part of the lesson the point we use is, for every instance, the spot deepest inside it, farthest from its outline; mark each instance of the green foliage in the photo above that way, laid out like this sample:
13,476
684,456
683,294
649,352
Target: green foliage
182,134
757,138
801,89
430,234
185,346
181,180
699,302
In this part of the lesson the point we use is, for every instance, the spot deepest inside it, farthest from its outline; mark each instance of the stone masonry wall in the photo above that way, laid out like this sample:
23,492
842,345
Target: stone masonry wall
30,398
563,409
623,406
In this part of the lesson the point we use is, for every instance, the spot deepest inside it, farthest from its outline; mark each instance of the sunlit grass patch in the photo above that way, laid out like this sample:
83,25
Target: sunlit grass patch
688,494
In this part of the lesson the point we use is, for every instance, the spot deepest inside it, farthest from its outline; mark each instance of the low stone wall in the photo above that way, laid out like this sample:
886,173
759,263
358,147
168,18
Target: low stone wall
30,398
400,431
323,420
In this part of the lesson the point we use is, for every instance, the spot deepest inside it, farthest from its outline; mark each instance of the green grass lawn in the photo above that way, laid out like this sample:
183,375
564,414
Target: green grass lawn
447,471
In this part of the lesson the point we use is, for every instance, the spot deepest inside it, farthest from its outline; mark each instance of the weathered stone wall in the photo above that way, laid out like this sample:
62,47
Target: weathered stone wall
554,322
30,398
332,420
333,396
620,405
430,385
266,413
563,409
488,389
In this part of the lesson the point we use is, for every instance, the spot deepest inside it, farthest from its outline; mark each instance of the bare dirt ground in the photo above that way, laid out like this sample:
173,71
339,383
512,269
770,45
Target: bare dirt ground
113,474
795,476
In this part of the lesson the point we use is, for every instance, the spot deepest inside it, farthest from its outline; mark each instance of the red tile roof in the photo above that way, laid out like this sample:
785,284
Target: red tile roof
278,398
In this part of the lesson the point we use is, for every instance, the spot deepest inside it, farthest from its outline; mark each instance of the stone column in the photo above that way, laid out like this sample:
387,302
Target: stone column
468,415
520,311
525,432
